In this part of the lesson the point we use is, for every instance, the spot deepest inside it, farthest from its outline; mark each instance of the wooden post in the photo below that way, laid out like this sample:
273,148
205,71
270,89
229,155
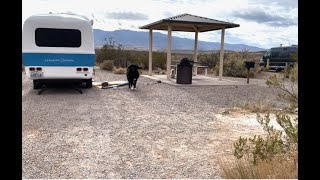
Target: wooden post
169,52
221,54
248,73
150,52
195,52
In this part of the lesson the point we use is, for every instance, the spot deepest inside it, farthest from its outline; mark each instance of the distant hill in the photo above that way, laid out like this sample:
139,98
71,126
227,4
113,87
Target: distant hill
140,40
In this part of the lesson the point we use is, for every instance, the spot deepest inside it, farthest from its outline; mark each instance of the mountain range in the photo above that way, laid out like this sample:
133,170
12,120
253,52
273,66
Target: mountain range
140,40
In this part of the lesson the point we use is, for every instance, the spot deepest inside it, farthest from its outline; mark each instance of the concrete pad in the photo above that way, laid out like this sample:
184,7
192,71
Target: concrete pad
197,81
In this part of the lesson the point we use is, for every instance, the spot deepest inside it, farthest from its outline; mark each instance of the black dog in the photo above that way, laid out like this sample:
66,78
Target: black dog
133,75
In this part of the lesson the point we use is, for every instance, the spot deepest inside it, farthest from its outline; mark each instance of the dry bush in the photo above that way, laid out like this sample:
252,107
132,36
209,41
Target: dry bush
259,107
236,68
279,167
106,65
289,92
119,70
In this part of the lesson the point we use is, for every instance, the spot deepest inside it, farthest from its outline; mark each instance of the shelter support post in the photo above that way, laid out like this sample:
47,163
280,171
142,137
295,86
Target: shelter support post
169,52
221,54
150,52
195,53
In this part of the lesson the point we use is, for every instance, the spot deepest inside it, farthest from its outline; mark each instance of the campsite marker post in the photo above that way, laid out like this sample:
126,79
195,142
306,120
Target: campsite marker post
249,64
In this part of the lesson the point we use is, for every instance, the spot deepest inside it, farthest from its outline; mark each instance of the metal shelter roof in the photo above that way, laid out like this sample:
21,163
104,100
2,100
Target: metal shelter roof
189,23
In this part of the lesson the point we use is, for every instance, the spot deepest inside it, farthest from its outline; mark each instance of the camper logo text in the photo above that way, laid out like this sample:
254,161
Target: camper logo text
59,60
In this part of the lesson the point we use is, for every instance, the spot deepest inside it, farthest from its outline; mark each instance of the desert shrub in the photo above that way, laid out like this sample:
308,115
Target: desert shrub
119,70
106,65
271,156
236,68
288,91
140,58
113,51
233,63
159,60
211,60
275,153
123,58
274,143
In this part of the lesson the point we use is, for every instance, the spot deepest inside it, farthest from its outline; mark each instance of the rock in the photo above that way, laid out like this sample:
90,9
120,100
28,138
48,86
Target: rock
226,112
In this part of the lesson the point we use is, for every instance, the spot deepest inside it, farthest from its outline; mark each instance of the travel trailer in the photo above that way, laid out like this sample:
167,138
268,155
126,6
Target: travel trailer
58,47
279,57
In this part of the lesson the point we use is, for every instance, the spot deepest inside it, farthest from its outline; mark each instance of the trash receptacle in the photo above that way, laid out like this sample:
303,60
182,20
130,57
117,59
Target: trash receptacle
184,71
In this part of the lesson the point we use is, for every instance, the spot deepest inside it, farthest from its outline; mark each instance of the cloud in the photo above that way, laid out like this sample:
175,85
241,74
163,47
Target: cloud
175,1
127,16
264,23
265,18
283,3
168,14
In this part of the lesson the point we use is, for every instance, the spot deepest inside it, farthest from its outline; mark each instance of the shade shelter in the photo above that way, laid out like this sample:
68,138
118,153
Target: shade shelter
187,23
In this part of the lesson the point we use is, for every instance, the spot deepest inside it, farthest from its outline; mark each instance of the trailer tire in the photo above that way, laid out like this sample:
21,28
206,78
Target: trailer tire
36,84
88,83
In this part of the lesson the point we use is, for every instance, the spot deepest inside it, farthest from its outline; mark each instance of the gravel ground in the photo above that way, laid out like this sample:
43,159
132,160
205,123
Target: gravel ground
156,131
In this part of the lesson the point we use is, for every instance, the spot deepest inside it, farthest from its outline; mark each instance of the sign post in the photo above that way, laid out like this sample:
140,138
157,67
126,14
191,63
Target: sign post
248,65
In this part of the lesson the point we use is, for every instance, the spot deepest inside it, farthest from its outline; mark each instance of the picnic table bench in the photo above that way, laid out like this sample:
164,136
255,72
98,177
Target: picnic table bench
197,65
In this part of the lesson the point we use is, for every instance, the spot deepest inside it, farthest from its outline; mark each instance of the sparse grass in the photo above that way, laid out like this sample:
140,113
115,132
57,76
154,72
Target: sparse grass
279,167
259,107
119,70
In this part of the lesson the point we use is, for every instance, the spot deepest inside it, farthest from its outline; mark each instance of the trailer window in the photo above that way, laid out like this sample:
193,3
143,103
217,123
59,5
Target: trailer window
48,37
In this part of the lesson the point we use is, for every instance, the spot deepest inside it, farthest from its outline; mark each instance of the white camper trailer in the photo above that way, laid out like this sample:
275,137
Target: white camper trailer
58,47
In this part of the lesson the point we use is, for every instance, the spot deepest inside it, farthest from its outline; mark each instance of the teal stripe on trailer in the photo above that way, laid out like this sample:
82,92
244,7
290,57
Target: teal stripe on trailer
55,59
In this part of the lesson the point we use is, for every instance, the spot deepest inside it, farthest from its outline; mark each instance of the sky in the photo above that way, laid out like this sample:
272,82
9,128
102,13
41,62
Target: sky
263,23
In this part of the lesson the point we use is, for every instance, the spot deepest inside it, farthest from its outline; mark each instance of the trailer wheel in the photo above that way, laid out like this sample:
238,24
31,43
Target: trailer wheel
36,84
88,83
